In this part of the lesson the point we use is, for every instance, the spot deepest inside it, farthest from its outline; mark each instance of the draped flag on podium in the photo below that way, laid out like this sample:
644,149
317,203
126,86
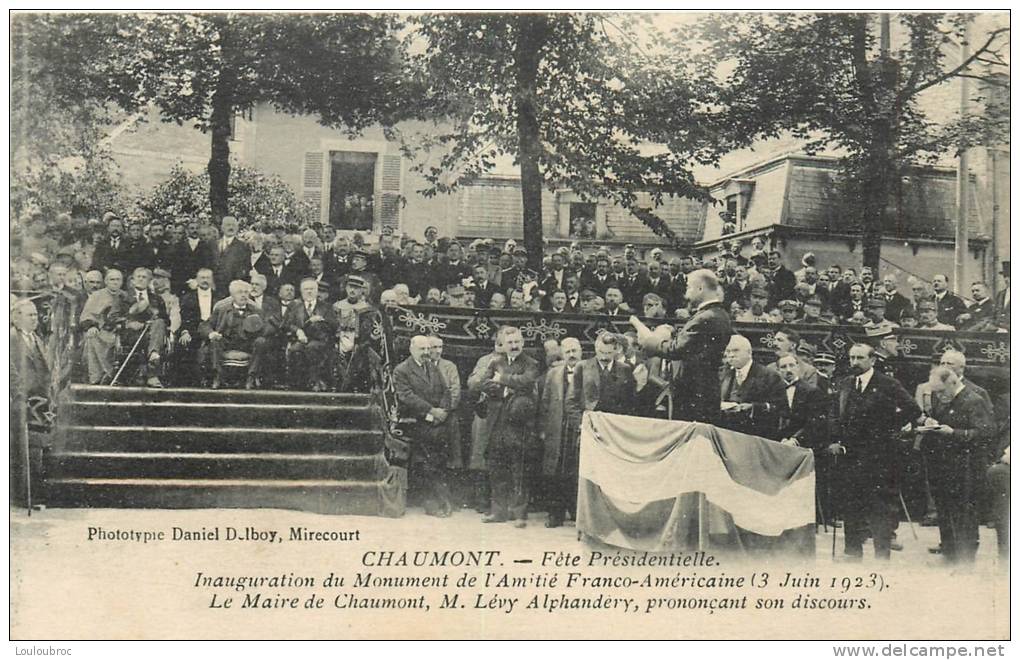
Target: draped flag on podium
659,485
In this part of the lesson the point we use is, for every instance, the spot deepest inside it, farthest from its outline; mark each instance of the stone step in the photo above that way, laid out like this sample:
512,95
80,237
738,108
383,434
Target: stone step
178,465
105,394
316,495
238,440
220,415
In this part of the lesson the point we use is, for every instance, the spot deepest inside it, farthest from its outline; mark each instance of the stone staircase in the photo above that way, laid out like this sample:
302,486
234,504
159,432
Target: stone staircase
132,447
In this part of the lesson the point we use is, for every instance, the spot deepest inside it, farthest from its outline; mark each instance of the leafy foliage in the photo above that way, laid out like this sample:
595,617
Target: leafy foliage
256,200
59,161
588,99
827,79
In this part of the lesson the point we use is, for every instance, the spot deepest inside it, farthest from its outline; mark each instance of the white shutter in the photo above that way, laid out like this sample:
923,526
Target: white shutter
313,182
389,173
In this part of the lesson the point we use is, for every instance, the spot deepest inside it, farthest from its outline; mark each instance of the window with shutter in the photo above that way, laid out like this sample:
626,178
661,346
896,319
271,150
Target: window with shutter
312,177
387,194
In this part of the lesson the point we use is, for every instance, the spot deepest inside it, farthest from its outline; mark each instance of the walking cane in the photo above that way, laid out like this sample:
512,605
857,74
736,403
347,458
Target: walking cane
903,502
23,430
828,488
130,353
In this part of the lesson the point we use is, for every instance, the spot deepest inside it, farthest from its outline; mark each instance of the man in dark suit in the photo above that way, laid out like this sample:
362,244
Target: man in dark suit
804,423
196,311
555,277
980,316
311,325
699,344
188,256
111,251
782,281
865,418
559,421
423,396
278,273
949,306
137,253
603,383
273,363
601,279
233,256
956,440
483,287
895,302
633,285
509,386
1002,299
752,397
237,325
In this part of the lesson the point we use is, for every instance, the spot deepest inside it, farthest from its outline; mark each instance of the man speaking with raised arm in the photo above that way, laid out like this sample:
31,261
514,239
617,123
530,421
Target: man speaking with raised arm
699,344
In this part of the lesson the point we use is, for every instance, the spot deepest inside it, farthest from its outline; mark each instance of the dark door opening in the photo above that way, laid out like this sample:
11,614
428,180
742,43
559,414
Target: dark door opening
351,189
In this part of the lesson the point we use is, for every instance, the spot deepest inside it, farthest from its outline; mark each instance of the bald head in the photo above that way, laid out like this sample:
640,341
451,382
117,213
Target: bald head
419,347
703,286
738,352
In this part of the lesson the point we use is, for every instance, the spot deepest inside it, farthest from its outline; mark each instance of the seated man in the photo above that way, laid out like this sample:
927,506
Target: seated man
237,326
354,374
102,319
196,312
148,310
272,315
753,397
311,326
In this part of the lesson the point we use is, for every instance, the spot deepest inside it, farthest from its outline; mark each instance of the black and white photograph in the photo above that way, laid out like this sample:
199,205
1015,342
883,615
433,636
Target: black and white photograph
518,324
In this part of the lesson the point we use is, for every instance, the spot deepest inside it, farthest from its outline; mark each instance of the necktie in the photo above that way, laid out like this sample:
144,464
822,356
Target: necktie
139,296
277,270
308,306
860,385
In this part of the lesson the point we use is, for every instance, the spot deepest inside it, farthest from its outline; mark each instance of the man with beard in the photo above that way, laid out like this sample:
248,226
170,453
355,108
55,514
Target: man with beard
865,417
112,251
699,344
311,326
509,387
614,302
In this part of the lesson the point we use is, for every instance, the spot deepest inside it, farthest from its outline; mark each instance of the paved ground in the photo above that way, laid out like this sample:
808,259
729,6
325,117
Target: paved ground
65,585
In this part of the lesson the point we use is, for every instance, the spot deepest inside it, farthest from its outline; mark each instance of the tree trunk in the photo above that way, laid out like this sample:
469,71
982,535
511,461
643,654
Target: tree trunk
531,35
219,123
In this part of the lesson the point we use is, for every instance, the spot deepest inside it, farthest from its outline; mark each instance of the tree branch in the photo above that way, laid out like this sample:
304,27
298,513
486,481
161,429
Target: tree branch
962,66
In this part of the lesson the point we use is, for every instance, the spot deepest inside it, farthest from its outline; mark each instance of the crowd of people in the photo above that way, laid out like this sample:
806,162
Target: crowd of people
196,302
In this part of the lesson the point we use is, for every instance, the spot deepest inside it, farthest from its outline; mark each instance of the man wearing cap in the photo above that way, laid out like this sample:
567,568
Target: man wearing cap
311,326
883,337
876,314
237,326
758,312
789,311
813,312
517,276
359,267
927,317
